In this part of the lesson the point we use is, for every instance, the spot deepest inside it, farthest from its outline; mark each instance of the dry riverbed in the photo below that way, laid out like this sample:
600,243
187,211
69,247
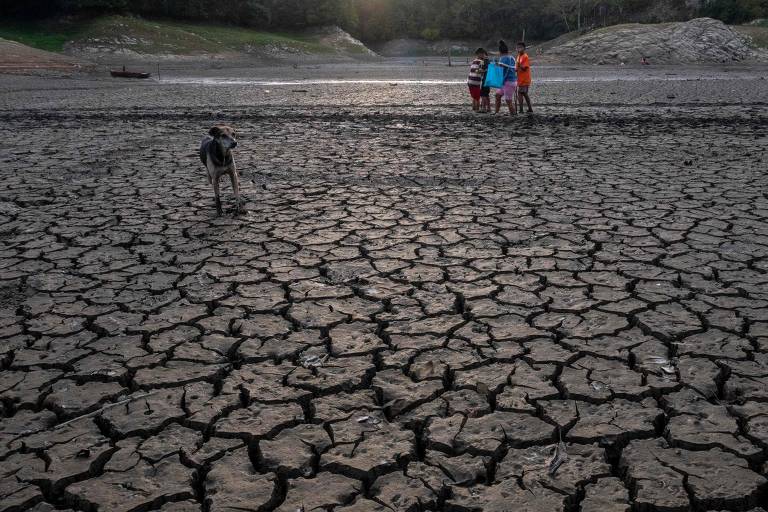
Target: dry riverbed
418,305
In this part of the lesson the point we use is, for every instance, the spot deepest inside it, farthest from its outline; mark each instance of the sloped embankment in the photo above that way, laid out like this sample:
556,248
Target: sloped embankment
128,36
18,57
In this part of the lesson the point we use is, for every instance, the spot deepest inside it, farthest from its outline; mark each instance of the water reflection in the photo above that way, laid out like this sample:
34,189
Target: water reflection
396,82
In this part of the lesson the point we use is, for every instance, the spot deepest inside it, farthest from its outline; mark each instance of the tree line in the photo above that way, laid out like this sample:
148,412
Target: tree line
382,20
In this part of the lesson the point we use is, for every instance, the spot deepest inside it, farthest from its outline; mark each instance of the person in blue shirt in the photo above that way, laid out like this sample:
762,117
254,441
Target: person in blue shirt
508,91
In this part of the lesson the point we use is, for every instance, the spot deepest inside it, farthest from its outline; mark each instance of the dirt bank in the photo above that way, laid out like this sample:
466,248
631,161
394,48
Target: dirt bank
16,57
115,38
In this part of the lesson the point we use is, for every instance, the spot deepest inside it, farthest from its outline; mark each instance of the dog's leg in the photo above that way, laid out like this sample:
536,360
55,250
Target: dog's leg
210,172
236,187
217,194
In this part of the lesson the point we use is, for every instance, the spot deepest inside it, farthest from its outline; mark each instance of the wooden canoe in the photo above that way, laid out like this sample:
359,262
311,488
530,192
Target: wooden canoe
129,74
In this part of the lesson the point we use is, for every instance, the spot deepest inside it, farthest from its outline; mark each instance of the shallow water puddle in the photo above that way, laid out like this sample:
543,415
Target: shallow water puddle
610,77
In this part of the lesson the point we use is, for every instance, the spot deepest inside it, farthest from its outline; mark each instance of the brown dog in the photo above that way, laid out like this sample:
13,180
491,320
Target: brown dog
216,155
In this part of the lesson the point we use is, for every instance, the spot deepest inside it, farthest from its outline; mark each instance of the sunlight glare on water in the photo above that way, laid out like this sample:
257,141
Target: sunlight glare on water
394,82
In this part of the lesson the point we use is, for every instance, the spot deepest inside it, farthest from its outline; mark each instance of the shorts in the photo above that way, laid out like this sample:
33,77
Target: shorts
485,92
508,91
523,89
474,91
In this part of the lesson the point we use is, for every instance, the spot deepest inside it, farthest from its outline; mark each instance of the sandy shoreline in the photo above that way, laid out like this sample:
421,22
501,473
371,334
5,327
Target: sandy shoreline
237,88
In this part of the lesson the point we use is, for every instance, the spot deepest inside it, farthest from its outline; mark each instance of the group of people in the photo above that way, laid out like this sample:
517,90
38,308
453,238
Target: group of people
517,80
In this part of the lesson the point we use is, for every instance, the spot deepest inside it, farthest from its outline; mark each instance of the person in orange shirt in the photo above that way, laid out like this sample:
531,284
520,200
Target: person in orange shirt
523,66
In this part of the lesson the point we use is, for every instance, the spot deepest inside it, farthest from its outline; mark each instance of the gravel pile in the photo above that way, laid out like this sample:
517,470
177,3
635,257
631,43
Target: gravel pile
702,40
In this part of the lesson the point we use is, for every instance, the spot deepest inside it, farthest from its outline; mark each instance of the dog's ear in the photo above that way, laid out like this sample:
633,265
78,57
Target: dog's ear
215,132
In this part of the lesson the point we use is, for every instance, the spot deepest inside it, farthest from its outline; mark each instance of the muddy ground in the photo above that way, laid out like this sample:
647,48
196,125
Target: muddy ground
419,303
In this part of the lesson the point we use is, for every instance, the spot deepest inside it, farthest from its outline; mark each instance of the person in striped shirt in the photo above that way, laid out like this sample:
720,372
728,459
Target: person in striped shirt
476,76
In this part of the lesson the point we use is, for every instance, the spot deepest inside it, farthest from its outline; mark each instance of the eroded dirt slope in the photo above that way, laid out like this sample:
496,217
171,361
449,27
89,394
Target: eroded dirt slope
16,57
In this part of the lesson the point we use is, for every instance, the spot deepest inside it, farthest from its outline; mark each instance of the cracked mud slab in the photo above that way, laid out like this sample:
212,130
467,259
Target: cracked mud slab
418,306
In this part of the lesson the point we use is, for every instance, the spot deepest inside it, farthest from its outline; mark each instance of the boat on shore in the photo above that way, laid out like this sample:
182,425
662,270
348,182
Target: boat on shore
116,73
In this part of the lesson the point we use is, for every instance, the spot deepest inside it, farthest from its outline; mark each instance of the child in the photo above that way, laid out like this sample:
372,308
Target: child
523,77
475,80
485,92
509,90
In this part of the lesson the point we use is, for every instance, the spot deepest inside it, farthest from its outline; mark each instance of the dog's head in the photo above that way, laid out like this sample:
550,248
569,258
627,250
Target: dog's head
224,136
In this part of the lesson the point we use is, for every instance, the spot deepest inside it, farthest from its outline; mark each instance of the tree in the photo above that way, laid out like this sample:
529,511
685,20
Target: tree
381,20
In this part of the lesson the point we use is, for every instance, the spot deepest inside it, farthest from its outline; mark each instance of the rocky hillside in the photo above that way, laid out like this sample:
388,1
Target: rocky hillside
129,36
702,40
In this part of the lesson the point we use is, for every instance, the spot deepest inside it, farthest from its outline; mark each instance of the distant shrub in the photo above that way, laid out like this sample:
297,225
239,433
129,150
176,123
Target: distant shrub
735,11
430,34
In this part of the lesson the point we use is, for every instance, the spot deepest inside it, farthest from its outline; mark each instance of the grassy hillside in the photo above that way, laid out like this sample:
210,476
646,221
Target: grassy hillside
36,35
161,37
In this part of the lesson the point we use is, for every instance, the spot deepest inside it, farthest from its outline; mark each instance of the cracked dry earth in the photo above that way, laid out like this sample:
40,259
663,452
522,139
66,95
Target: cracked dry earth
410,316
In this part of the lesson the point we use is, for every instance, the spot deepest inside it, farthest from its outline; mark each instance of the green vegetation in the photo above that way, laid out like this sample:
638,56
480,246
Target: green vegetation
156,37
262,14
736,11
36,35
189,38
383,20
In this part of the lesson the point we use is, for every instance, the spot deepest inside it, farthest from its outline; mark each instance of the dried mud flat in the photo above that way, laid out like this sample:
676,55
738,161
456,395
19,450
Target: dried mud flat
418,305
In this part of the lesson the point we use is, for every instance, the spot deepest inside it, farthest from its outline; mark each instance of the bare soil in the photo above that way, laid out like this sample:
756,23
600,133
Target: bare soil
16,57
418,306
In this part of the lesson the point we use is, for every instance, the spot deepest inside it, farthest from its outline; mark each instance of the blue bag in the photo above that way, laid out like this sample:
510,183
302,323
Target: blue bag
494,78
